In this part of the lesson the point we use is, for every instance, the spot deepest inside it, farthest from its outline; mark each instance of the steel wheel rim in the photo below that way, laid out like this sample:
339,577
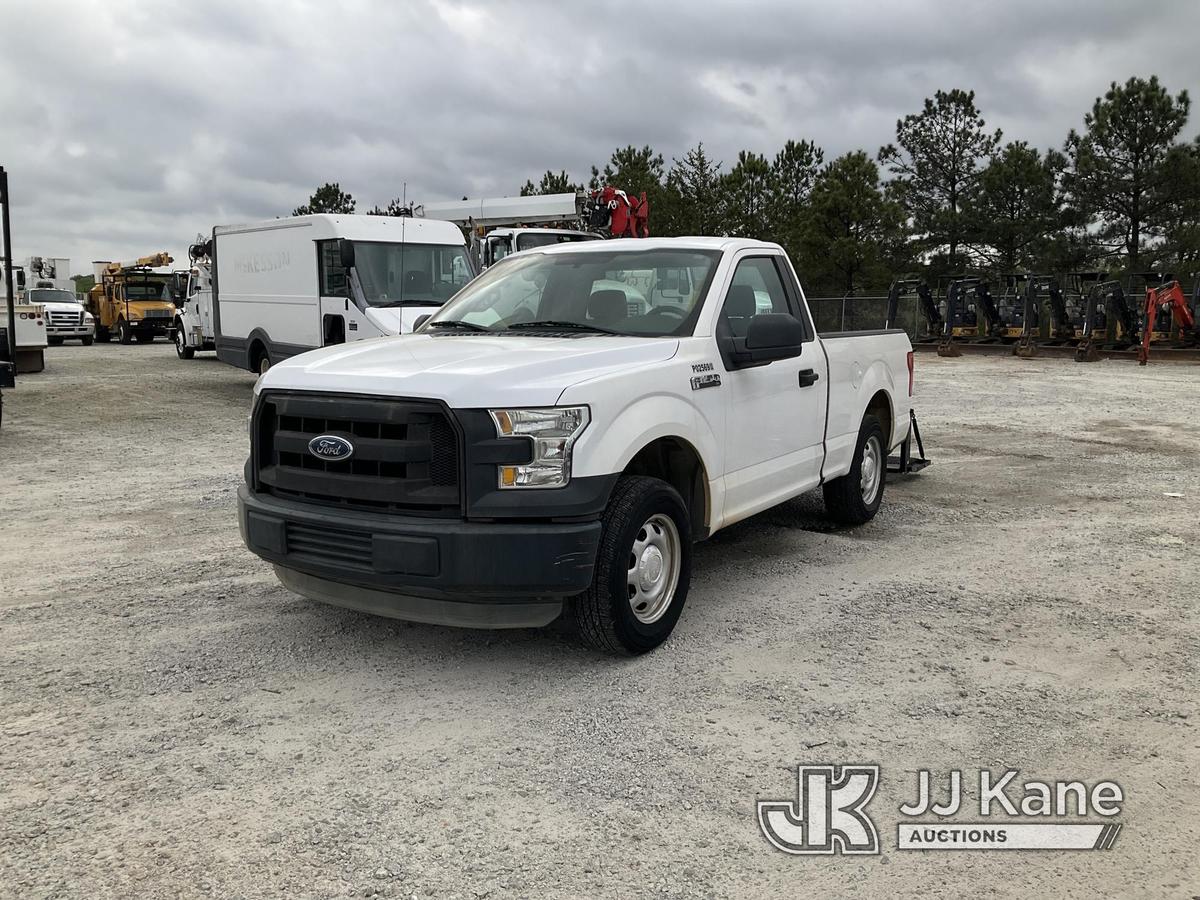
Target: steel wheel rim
871,470
179,341
653,568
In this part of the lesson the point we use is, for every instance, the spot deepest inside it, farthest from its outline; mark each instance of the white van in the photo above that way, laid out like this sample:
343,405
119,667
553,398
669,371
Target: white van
290,285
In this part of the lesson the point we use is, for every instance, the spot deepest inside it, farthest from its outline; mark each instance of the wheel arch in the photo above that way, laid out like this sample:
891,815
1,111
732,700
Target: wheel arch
676,461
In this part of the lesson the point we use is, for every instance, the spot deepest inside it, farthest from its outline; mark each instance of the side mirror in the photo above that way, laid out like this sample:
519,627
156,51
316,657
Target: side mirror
346,253
20,279
771,336
421,320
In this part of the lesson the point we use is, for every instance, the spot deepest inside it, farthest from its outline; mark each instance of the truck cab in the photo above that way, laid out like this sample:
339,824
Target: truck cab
132,300
66,319
501,242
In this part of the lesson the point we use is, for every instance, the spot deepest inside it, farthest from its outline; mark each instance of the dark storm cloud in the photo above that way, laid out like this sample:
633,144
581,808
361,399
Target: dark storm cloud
129,127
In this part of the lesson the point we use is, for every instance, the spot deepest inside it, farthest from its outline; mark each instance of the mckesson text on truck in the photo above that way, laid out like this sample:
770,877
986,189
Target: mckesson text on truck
554,440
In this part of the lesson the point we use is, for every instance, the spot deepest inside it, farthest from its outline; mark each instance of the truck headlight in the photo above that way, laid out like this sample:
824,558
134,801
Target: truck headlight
552,431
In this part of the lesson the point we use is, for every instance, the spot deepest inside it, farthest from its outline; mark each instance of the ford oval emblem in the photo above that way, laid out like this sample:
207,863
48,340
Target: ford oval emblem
330,448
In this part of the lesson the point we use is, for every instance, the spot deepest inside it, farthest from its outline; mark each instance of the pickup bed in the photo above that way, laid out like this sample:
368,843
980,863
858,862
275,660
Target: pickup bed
555,438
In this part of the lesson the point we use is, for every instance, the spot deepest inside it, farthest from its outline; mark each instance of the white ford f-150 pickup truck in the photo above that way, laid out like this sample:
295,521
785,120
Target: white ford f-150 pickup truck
556,437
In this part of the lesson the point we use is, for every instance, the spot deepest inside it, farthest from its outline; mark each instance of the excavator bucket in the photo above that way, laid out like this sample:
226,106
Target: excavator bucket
1025,347
1087,351
948,348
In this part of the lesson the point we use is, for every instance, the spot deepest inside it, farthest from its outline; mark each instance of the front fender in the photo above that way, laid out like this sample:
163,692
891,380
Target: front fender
619,430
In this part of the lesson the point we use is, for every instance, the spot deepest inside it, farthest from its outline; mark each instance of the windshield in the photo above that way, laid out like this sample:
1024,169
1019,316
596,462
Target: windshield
410,274
48,295
528,240
653,293
147,290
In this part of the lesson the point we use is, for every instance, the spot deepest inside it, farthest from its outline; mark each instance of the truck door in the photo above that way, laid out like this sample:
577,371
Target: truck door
335,305
775,425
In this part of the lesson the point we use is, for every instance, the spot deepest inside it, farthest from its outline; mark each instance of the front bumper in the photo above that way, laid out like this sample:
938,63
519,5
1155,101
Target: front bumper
389,565
158,326
69,331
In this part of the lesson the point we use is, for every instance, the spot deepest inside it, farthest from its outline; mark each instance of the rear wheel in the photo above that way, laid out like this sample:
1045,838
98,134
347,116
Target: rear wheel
642,572
124,332
260,360
854,498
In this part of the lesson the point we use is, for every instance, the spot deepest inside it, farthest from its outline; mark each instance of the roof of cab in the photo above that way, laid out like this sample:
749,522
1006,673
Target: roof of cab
661,243
389,229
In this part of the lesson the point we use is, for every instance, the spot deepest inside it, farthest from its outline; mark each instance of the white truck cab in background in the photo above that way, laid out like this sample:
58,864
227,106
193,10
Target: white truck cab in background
49,285
293,284
501,226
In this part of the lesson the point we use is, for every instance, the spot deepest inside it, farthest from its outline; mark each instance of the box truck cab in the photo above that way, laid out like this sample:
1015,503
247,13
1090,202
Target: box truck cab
294,284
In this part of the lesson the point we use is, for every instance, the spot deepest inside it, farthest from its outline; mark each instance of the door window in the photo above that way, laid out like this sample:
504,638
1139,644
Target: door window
756,289
332,275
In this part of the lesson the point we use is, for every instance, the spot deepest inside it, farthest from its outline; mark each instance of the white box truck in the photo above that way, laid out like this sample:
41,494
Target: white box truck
294,284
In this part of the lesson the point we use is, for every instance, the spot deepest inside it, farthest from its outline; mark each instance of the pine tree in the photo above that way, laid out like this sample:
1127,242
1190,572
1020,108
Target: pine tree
1117,163
937,164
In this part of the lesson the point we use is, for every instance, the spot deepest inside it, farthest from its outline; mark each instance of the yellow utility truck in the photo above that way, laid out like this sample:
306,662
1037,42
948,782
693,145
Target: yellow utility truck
133,301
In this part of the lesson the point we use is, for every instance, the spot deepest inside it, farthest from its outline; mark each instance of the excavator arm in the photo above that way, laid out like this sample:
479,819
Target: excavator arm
1167,296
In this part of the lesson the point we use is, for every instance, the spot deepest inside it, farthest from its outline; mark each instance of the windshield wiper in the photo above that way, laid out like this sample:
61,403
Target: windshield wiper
457,323
560,325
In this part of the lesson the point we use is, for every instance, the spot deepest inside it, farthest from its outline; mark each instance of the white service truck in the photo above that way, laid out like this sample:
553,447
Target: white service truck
501,226
289,285
49,284
541,445
30,321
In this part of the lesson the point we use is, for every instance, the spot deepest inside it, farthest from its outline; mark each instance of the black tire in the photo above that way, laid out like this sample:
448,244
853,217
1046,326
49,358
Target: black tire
260,360
844,500
124,332
182,350
54,341
103,335
604,614
86,341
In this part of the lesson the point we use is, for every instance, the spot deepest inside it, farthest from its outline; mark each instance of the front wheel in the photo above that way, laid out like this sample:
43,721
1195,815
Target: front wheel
86,340
182,350
54,341
854,498
124,332
642,572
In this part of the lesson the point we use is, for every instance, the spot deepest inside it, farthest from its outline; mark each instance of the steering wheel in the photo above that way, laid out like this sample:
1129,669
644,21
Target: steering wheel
672,312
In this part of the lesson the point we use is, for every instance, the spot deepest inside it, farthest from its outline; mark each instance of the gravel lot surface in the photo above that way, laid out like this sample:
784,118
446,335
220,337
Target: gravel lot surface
175,724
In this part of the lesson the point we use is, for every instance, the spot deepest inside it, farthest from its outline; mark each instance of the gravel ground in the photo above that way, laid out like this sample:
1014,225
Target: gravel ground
175,724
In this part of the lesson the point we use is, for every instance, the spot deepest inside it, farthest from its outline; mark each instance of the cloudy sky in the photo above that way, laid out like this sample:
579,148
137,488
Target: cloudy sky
128,127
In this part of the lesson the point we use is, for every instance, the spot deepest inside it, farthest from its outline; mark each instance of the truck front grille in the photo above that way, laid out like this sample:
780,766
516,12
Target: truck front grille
156,314
65,319
405,459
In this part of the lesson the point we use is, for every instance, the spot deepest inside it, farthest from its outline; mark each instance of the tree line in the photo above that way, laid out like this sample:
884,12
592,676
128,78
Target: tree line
948,195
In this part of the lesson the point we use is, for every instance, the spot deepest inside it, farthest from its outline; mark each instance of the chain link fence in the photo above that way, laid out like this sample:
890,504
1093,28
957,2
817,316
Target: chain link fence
833,314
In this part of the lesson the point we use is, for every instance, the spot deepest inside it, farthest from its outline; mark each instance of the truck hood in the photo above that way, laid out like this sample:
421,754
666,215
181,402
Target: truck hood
466,371
397,319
